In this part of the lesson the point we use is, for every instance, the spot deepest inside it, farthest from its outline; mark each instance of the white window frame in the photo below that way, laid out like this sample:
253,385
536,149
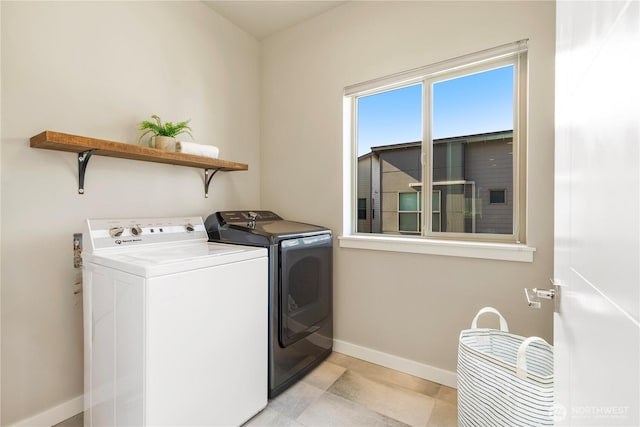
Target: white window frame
505,247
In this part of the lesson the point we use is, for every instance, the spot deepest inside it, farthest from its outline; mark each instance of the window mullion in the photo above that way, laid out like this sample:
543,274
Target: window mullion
426,158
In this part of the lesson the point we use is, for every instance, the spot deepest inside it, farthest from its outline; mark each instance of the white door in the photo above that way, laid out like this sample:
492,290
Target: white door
597,233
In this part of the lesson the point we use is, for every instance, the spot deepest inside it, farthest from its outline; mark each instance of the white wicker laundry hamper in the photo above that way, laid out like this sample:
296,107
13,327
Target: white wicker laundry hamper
503,379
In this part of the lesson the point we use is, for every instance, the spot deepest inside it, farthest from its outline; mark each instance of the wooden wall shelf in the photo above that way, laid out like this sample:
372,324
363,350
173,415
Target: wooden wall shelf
86,147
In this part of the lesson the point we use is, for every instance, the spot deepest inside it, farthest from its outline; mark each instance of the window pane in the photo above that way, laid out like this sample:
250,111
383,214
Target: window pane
497,196
435,221
408,202
473,151
389,134
435,201
362,208
435,211
408,222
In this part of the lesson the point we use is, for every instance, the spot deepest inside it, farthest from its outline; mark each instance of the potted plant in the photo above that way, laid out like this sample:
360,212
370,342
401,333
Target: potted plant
163,135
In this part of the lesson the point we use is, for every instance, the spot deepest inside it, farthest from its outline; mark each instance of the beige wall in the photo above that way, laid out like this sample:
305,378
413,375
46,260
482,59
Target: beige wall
97,69
407,305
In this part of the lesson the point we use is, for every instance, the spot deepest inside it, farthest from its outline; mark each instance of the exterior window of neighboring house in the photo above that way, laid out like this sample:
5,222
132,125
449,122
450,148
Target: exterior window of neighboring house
436,225
453,131
409,212
497,197
362,208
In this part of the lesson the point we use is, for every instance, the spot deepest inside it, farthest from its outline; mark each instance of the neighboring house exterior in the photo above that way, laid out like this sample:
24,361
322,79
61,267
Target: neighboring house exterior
472,186
369,217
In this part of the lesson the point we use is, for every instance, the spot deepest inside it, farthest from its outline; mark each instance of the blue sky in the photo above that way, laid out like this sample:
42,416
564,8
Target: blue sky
471,104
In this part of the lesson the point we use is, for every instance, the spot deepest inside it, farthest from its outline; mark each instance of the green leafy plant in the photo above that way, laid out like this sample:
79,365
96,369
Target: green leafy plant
167,129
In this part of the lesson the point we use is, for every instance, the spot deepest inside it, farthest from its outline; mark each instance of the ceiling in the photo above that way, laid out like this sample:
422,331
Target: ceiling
263,18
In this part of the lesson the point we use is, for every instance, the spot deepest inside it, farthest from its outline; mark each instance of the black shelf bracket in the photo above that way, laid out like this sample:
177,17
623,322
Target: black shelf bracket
83,161
207,180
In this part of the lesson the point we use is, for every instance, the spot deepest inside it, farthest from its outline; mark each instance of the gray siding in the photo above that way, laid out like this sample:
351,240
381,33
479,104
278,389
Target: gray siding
448,161
490,165
369,189
376,196
364,192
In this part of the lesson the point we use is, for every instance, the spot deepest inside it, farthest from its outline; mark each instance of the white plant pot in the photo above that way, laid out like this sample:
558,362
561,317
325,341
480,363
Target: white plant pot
164,143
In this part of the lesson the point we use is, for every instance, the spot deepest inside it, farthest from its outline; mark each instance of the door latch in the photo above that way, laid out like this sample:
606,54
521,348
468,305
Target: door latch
534,295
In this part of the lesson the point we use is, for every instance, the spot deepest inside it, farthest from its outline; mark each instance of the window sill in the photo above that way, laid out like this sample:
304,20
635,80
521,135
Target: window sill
483,250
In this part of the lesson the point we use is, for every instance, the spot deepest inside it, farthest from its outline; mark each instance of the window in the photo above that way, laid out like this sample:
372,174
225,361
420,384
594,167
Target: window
362,208
409,212
454,131
436,225
497,197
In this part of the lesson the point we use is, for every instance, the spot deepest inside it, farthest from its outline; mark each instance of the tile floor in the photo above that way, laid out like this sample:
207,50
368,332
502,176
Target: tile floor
344,391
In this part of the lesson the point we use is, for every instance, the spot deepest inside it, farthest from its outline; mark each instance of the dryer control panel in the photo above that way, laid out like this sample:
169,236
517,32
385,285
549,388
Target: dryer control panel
134,232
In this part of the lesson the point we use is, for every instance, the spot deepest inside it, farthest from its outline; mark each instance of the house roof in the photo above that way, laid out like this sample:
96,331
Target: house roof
396,146
479,137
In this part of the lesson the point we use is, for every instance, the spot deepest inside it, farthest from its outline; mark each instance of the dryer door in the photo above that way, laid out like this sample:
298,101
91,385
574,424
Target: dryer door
305,282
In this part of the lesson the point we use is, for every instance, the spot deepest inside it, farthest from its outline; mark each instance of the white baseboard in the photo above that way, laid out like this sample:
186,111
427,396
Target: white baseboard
411,367
54,415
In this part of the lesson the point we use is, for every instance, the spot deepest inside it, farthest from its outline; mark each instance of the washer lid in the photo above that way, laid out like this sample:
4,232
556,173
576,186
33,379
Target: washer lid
166,259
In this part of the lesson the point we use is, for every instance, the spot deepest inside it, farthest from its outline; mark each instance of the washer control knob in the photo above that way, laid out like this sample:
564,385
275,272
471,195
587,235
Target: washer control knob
116,231
136,229
189,227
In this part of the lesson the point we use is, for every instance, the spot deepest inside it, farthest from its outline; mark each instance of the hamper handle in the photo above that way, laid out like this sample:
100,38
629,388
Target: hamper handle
503,323
521,360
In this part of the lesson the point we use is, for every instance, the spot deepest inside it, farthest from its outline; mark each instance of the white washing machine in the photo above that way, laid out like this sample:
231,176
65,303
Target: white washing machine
175,327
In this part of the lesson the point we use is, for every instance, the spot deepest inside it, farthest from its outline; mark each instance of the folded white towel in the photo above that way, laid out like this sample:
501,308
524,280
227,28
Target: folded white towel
197,149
